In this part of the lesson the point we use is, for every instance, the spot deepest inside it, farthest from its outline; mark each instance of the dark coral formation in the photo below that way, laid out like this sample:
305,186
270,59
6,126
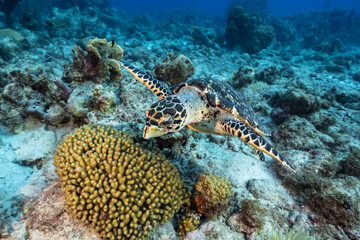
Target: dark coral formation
198,37
247,31
121,189
174,69
243,77
250,218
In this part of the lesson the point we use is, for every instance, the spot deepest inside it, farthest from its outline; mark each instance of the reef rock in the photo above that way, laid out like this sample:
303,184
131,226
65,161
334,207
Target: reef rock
298,133
48,218
174,69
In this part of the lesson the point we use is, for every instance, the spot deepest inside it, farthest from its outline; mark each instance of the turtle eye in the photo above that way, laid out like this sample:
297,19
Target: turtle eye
166,120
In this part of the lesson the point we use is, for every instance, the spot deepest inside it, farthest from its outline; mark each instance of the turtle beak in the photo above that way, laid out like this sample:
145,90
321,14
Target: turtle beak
152,131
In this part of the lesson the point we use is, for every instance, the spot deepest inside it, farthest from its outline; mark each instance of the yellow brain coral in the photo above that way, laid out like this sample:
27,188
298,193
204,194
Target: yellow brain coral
212,194
121,189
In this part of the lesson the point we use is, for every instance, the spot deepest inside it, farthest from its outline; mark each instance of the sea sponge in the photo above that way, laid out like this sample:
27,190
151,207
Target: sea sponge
120,188
212,194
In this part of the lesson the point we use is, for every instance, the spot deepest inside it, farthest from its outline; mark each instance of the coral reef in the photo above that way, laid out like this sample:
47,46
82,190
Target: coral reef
121,189
247,31
212,195
174,69
98,65
305,87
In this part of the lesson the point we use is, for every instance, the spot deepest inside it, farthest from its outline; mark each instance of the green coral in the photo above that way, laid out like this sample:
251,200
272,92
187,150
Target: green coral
112,183
212,194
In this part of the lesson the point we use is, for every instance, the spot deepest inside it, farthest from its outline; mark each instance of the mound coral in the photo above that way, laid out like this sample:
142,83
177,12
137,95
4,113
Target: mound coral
212,194
112,183
99,64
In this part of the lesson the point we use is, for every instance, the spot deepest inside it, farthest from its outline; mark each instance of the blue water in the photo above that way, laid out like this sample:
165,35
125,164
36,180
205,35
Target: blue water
218,7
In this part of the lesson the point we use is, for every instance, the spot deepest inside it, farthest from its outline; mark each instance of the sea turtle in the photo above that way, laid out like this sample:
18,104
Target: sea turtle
203,105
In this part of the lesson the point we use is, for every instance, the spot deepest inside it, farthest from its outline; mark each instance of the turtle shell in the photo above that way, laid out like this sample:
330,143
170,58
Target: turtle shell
224,97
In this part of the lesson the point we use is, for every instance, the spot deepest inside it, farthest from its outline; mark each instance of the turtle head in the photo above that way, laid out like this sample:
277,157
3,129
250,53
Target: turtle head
165,116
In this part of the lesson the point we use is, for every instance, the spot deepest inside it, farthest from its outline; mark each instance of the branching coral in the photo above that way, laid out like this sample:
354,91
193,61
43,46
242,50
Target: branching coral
212,194
121,189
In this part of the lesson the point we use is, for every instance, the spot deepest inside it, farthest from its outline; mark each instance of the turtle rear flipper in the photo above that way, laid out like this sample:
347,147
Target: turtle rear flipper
245,133
160,88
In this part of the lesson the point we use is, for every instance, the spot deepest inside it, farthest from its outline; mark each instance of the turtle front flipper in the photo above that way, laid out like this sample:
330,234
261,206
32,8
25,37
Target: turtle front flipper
245,133
160,88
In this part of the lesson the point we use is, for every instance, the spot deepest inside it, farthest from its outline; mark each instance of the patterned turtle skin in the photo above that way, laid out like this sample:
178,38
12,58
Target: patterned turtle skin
207,106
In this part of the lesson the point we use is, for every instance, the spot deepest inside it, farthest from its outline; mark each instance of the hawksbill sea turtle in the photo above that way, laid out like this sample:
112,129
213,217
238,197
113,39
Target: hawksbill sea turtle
206,106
